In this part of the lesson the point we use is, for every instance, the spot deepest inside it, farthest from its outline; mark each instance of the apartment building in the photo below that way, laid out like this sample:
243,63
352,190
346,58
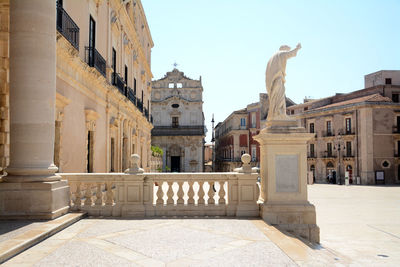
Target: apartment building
234,136
357,132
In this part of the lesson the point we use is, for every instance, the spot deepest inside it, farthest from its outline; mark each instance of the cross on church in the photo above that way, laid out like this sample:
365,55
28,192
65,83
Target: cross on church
175,65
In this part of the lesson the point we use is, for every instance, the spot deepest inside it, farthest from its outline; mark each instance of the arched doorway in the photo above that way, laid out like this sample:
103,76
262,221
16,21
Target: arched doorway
349,169
330,172
312,169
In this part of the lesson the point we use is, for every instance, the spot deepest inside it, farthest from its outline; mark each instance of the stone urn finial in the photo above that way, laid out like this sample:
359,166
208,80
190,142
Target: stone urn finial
246,168
135,158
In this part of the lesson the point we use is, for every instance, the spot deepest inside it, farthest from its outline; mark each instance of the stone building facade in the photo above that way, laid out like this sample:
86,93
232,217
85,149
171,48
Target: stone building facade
103,74
234,136
357,132
177,105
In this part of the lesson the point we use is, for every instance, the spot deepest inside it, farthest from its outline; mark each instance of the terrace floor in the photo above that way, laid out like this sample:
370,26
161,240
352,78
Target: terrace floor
360,226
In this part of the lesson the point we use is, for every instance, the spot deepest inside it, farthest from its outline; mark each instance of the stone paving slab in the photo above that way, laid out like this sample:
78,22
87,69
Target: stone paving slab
157,242
16,236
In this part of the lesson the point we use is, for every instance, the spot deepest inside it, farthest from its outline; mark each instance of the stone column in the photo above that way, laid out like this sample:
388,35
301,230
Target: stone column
32,188
283,169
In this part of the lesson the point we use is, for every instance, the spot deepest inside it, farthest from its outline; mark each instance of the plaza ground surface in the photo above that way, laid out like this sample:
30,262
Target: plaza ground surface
360,226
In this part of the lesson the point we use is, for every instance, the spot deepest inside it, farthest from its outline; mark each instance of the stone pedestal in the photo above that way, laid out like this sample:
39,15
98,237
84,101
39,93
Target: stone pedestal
36,200
283,170
32,189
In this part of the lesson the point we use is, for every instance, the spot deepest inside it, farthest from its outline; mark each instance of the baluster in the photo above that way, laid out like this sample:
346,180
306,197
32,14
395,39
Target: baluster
221,193
211,194
88,195
180,194
109,194
99,195
191,193
160,194
170,194
78,196
201,194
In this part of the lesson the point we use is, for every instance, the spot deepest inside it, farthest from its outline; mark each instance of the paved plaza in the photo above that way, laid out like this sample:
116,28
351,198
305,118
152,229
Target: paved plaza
360,226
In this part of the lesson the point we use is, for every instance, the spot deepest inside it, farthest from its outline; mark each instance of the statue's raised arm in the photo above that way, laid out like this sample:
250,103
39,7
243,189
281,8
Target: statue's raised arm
275,82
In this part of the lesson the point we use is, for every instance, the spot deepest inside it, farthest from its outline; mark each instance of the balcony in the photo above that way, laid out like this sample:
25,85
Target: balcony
67,27
177,131
118,82
131,95
396,155
311,156
326,155
139,104
396,129
352,132
94,59
327,134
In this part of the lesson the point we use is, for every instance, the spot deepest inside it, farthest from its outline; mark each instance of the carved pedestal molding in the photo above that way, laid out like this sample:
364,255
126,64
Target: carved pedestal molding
284,179
32,189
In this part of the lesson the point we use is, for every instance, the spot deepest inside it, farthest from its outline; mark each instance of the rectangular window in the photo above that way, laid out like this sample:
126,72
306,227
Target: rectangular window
253,153
398,148
348,149
179,85
306,108
292,112
175,122
253,120
388,81
242,122
312,151
170,85
329,149
92,40
89,167
397,124
134,86
395,98
328,128
348,125
312,128
112,154
126,75
114,60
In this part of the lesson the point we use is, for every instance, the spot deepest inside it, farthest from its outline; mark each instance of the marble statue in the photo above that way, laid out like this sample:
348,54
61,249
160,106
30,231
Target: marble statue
275,82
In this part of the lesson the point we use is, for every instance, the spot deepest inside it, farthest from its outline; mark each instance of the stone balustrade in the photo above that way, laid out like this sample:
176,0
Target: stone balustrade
139,194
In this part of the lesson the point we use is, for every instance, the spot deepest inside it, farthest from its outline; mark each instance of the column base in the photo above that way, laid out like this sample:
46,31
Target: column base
34,200
300,219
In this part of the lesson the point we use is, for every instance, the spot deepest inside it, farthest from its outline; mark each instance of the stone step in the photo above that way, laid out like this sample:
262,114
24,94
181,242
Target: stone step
14,245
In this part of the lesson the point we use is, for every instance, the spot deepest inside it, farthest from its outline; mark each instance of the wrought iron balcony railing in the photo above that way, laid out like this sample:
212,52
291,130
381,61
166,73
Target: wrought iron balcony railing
396,129
131,95
327,133
311,156
67,27
139,104
118,82
179,130
94,59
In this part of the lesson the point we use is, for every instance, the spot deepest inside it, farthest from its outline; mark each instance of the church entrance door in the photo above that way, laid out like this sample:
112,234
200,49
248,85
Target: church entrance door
175,164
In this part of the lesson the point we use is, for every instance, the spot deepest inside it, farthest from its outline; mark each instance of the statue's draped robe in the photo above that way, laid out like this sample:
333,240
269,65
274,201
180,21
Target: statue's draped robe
275,83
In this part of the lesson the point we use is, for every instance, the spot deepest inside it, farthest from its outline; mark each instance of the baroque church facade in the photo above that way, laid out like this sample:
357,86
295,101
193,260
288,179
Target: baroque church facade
177,108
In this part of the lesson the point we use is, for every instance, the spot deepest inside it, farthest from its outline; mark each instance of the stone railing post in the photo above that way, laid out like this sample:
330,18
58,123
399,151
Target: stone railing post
247,189
131,190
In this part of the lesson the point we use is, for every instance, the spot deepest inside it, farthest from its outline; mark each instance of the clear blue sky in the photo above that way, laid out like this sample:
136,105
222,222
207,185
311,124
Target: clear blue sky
229,42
